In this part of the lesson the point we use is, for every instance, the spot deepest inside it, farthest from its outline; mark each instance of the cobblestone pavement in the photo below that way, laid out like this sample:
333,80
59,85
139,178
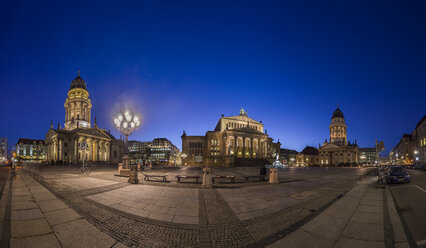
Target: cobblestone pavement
155,214
364,217
40,219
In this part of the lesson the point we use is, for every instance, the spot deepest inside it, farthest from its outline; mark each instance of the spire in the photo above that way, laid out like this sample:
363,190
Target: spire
78,72
96,124
51,123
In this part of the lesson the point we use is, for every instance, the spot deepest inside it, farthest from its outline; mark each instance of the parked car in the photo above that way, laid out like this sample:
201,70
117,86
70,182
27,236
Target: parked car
397,174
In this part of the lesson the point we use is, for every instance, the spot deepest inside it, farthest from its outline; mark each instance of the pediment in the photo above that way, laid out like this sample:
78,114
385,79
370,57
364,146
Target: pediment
94,132
49,135
330,146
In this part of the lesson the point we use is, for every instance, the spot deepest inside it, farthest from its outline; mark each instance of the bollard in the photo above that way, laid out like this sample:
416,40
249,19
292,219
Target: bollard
207,178
273,175
133,177
120,166
126,162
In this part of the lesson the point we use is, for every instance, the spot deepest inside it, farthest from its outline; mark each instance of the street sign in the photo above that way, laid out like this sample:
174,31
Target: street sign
83,145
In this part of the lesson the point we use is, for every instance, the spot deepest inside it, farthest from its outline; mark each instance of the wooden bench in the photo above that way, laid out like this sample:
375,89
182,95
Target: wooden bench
231,178
187,177
147,176
261,178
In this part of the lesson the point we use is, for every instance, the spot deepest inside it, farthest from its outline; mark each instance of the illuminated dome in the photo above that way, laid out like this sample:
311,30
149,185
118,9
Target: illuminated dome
337,113
78,82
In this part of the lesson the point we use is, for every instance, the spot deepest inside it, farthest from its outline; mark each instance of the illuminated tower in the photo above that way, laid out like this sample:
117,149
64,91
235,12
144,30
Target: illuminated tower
338,128
77,105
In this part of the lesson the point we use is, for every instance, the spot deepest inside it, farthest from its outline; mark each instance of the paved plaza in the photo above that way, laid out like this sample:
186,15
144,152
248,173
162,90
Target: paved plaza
52,206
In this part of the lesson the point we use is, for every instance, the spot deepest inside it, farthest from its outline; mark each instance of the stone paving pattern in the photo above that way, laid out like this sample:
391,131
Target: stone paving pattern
40,219
177,205
156,214
355,220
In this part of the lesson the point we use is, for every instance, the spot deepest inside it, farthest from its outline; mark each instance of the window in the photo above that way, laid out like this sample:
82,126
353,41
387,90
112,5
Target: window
65,144
115,154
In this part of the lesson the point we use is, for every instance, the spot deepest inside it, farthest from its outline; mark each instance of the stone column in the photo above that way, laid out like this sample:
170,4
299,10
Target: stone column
94,150
207,178
251,147
244,147
235,147
273,175
133,177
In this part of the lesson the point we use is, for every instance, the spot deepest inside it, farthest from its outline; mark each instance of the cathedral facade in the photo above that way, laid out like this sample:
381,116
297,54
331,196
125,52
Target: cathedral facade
236,141
63,144
338,151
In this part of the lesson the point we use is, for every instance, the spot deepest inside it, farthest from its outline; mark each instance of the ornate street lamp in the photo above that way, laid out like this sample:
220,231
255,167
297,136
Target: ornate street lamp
127,123
183,155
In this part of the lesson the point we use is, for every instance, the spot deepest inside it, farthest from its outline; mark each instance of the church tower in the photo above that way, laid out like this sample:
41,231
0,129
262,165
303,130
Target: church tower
77,105
338,128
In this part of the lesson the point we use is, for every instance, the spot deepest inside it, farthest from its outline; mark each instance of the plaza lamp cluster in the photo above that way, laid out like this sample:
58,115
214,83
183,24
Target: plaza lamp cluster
127,123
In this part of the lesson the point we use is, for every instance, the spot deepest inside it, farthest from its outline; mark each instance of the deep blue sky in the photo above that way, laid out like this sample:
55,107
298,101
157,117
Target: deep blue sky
183,64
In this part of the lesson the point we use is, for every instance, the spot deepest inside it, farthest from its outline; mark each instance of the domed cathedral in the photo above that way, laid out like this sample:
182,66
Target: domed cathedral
338,151
77,105
338,128
236,141
63,144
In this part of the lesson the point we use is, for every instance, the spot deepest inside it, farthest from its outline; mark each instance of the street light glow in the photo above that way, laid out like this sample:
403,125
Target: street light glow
128,124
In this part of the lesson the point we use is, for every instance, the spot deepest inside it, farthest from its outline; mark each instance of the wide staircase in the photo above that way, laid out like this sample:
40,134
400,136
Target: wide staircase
250,162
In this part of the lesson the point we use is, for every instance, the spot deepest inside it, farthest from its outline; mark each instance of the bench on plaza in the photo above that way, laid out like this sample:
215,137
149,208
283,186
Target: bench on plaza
148,176
261,176
231,178
180,177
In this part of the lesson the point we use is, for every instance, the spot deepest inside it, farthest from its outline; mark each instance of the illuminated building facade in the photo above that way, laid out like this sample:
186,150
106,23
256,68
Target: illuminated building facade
236,141
338,151
163,151
62,144
404,150
411,149
288,157
308,157
3,150
30,151
367,156
419,138
158,151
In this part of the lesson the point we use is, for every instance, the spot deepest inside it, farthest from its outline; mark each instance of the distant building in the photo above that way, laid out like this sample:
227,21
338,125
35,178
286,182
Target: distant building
419,138
288,157
63,144
339,150
139,151
308,157
404,150
30,151
411,149
164,152
367,156
3,150
236,141
158,151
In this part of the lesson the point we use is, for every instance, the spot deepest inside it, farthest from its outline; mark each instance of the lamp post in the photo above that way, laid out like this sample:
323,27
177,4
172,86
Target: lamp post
83,147
183,155
126,123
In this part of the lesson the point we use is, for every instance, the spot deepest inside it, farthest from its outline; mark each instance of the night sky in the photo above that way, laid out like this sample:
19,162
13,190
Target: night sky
183,64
